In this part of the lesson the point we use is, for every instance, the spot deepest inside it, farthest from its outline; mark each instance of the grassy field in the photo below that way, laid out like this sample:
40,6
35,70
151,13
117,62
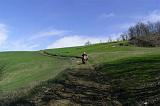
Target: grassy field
23,69
127,66
101,53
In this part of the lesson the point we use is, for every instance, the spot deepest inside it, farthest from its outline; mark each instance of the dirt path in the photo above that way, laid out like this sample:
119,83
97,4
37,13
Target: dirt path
82,85
88,88
57,55
80,88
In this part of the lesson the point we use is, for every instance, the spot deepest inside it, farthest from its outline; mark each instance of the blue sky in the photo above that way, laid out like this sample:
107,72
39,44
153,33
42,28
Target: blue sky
41,24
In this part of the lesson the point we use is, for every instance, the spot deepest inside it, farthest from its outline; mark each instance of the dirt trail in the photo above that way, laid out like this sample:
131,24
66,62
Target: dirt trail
2,68
82,85
89,88
57,55
80,88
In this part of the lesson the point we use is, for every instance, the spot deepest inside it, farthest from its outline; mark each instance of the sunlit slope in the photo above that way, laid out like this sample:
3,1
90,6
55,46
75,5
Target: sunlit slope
23,69
133,72
101,53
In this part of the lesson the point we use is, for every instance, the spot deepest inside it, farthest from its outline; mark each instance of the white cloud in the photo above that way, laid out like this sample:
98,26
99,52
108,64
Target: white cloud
77,40
14,45
127,25
28,44
3,33
19,45
153,16
48,33
114,36
105,15
64,40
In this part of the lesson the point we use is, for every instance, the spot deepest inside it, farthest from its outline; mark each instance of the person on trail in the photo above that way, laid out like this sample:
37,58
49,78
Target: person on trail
84,57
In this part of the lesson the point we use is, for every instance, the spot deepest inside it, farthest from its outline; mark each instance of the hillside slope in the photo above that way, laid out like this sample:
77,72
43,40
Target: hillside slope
27,69
116,74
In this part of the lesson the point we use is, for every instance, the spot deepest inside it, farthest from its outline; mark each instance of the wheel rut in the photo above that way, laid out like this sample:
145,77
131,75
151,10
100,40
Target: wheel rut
78,89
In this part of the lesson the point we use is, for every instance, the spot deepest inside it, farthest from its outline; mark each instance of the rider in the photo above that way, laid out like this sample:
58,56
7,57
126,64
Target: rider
84,57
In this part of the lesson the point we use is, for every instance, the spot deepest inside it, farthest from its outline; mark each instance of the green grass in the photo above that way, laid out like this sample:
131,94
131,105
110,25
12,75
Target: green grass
21,69
138,69
24,69
137,78
101,53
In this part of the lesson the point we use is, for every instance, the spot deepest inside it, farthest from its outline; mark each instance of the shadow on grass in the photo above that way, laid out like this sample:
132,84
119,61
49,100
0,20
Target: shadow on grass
135,79
131,81
2,69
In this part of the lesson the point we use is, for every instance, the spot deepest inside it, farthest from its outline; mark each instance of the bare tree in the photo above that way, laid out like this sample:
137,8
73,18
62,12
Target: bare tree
124,36
109,39
144,34
87,43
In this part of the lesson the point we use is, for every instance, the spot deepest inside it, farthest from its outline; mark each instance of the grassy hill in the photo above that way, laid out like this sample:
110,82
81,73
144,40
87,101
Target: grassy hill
131,74
20,69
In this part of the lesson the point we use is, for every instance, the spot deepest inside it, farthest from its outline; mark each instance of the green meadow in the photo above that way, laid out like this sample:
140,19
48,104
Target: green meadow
19,69
127,66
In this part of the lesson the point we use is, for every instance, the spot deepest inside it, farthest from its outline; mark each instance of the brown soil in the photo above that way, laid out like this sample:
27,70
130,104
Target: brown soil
90,88
87,88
